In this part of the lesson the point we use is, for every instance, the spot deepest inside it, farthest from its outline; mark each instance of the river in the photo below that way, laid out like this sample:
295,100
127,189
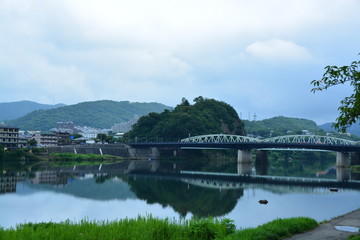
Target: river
172,190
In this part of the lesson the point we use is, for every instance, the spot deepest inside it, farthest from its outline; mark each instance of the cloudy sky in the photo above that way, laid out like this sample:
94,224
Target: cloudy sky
259,56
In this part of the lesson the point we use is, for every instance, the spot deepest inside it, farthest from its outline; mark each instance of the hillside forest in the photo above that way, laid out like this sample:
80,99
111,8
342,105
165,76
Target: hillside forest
205,116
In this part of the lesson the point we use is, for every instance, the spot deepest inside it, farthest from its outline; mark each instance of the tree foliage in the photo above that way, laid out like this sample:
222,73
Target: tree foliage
2,154
206,116
350,106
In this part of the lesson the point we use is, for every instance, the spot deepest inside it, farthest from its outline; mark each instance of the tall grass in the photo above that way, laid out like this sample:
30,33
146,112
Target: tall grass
153,228
277,229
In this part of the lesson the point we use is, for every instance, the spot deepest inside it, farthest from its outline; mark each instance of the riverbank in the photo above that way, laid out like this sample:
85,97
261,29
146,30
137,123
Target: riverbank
153,228
338,228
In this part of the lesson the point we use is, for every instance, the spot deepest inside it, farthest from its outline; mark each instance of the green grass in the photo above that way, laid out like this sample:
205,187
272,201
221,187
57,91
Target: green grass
153,228
71,159
277,229
354,237
355,168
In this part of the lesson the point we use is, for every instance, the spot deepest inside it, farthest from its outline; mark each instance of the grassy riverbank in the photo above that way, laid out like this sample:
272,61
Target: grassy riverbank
71,159
153,228
355,168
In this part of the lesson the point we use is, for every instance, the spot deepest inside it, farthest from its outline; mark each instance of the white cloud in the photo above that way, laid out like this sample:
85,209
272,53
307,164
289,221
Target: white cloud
278,50
161,50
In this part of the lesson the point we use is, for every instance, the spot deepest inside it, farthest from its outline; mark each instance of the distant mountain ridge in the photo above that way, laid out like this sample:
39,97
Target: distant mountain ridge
13,110
353,129
98,114
29,115
278,126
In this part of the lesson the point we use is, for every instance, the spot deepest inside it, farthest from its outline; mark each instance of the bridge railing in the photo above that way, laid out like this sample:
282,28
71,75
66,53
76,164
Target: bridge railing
311,139
220,138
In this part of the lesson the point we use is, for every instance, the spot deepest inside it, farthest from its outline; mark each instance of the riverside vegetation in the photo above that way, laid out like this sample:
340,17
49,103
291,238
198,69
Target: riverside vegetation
153,228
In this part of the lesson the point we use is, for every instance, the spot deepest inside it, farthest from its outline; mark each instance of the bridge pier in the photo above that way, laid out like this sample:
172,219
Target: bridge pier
144,153
342,159
261,162
244,156
244,168
343,174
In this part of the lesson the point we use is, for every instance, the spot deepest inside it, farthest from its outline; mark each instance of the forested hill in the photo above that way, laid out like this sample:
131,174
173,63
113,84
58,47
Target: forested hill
206,116
98,114
13,110
279,126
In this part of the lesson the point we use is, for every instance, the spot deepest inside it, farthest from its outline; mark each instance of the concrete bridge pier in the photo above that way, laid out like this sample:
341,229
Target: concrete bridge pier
144,153
244,168
342,174
244,156
342,159
244,162
261,162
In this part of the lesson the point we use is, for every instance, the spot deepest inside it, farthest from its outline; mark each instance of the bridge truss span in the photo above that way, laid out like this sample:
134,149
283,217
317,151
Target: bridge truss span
220,138
312,139
244,143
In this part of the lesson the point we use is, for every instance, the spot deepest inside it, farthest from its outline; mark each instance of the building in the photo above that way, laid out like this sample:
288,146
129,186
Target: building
9,136
68,127
124,126
89,134
64,138
45,139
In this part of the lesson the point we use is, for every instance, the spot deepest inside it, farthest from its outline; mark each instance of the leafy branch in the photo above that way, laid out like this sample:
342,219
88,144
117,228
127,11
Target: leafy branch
350,106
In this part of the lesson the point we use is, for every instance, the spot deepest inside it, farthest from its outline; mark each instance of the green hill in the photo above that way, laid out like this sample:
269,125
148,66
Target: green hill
206,116
13,110
98,114
279,126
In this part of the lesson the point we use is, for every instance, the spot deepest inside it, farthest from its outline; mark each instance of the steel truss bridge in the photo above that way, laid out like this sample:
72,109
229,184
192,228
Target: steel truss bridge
314,142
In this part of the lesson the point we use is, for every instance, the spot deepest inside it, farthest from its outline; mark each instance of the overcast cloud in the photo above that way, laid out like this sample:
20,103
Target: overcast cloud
259,56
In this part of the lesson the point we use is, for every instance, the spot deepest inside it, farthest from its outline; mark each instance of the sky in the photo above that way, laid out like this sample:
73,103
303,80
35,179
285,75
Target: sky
258,56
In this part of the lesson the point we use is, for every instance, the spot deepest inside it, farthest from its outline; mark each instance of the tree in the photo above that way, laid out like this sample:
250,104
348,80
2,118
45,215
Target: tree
101,137
350,106
198,99
2,153
77,135
32,142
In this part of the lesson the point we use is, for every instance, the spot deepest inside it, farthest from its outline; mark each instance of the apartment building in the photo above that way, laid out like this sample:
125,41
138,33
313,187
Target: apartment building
45,139
9,136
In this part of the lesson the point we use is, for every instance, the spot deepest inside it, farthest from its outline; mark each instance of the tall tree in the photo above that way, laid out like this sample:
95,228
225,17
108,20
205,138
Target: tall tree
350,106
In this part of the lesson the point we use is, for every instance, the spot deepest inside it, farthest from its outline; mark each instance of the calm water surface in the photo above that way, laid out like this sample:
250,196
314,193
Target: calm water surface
130,189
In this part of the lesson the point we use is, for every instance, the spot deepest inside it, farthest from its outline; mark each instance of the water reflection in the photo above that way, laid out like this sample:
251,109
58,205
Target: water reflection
185,197
174,189
8,183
